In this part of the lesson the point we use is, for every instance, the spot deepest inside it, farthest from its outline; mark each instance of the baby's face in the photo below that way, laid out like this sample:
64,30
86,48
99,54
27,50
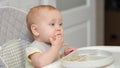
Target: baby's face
50,25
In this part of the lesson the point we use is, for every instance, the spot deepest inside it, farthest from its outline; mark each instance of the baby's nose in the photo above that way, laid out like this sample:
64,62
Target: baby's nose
58,28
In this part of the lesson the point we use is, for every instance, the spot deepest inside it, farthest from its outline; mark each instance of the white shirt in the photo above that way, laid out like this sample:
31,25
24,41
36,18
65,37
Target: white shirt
36,46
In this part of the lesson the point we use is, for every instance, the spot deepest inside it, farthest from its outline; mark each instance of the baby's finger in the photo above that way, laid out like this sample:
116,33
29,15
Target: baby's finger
70,50
52,38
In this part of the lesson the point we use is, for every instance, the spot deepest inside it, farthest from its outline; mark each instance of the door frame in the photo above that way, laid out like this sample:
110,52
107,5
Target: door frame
100,22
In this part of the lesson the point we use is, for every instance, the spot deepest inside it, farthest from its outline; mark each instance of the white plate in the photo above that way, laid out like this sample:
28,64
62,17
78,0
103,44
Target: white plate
105,59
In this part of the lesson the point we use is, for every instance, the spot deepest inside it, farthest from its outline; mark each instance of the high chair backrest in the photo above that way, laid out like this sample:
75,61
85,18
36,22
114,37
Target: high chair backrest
14,36
13,24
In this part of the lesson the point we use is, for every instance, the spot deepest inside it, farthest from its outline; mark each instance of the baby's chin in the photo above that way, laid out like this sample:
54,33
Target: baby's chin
48,42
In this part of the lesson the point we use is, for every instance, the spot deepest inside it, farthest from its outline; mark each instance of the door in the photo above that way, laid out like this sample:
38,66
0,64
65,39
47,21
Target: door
79,22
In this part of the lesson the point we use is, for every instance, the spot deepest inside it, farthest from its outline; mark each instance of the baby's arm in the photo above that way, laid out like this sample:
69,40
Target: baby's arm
39,60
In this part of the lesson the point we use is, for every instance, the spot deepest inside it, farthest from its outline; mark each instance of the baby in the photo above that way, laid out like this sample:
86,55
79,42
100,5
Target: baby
45,24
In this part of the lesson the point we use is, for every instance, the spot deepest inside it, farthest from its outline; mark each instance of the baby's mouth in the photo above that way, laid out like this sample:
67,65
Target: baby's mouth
59,34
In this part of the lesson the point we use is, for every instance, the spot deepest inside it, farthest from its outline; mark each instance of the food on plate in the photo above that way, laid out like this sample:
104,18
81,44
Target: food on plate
77,57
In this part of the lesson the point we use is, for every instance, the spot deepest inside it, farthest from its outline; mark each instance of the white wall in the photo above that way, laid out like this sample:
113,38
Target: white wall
27,4
21,4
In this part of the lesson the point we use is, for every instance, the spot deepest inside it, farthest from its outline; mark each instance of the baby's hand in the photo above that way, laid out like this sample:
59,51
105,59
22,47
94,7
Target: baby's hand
68,50
56,41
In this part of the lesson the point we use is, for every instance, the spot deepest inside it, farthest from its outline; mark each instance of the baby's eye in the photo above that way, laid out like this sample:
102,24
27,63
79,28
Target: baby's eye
61,24
52,24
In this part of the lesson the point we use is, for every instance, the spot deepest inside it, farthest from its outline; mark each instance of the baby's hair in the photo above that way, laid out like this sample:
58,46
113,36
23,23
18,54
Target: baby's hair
35,10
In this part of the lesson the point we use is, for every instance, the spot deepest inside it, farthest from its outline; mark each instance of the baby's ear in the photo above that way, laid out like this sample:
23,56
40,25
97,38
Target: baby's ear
34,29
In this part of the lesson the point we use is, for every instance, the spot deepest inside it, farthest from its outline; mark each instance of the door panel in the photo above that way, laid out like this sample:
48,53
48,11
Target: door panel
77,35
79,25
